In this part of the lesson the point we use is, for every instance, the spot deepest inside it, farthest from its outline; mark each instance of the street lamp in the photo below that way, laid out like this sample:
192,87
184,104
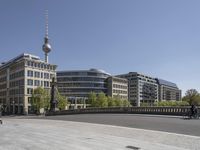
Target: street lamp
13,107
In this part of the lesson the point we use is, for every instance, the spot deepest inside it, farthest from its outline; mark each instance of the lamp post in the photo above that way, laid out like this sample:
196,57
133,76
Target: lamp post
13,106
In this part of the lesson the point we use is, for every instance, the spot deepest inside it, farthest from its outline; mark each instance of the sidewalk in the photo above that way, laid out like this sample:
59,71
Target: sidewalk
23,134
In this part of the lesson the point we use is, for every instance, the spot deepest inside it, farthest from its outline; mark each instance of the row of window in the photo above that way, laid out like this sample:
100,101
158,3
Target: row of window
92,79
120,91
3,93
119,86
40,65
81,85
81,74
31,82
66,91
2,79
2,86
17,74
16,91
37,74
17,83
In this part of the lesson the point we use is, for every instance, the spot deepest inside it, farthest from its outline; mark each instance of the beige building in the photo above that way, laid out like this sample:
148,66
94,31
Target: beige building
117,87
18,78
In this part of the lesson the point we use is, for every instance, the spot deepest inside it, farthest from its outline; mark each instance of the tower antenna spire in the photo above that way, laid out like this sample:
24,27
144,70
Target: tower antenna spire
46,46
47,23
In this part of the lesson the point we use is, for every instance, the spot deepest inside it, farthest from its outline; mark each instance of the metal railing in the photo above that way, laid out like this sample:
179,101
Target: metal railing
179,111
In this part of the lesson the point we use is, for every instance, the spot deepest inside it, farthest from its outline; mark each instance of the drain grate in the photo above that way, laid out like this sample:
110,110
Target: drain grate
133,147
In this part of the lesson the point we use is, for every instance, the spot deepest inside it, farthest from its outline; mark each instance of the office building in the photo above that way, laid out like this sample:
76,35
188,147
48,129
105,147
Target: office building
18,78
117,87
79,83
168,91
141,88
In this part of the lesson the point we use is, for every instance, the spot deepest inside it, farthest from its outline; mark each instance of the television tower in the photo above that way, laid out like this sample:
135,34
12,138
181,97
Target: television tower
46,46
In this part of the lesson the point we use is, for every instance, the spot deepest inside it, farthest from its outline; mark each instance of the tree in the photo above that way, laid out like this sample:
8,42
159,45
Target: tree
40,99
62,101
111,101
192,97
126,103
92,99
102,100
191,92
118,101
171,103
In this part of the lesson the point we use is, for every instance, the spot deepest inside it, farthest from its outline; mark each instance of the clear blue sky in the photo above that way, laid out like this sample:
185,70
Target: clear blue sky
157,38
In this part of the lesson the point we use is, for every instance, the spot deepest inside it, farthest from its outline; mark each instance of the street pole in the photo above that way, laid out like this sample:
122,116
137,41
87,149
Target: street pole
13,107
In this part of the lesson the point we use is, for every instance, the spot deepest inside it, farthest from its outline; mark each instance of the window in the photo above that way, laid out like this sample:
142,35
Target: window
36,83
46,75
37,74
29,100
46,84
29,90
30,73
41,74
30,82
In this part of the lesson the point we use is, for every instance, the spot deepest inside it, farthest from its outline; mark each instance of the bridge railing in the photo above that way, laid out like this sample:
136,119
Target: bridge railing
134,110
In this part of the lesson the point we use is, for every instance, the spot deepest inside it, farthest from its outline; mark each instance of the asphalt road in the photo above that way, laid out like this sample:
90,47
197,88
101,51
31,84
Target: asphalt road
152,122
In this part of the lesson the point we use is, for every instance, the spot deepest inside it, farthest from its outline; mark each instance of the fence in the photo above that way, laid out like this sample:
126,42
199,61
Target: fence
131,110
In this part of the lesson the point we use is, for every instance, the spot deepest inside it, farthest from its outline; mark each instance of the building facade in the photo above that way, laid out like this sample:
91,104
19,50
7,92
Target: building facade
168,91
117,87
141,88
80,83
18,78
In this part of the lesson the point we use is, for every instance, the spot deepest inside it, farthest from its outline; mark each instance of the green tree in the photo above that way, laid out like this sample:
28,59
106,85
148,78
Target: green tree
111,102
171,103
62,101
126,103
92,99
40,99
102,100
192,97
118,101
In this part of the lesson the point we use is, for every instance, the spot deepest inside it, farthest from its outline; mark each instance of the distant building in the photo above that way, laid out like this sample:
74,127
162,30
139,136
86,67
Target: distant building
146,89
168,91
76,85
18,78
117,87
79,83
141,88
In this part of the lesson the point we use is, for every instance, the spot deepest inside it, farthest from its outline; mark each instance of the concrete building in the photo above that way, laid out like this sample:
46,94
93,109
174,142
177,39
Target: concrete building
117,87
168,91
141,88
18,78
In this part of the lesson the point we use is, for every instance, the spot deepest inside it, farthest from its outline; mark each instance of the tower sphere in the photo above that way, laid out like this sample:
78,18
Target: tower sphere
46,47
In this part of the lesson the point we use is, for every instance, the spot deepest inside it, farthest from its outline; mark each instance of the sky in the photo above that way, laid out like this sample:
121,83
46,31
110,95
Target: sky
156,38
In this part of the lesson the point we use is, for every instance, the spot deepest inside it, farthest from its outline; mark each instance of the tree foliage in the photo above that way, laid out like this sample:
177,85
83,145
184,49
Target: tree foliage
40,99
192,97
92,99
62,101
171,103
101,100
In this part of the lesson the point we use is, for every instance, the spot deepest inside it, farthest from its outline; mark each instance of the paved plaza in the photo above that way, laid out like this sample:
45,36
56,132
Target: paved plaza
19,133
172,124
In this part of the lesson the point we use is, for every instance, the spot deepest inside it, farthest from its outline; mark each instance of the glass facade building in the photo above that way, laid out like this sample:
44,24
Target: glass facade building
80,83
